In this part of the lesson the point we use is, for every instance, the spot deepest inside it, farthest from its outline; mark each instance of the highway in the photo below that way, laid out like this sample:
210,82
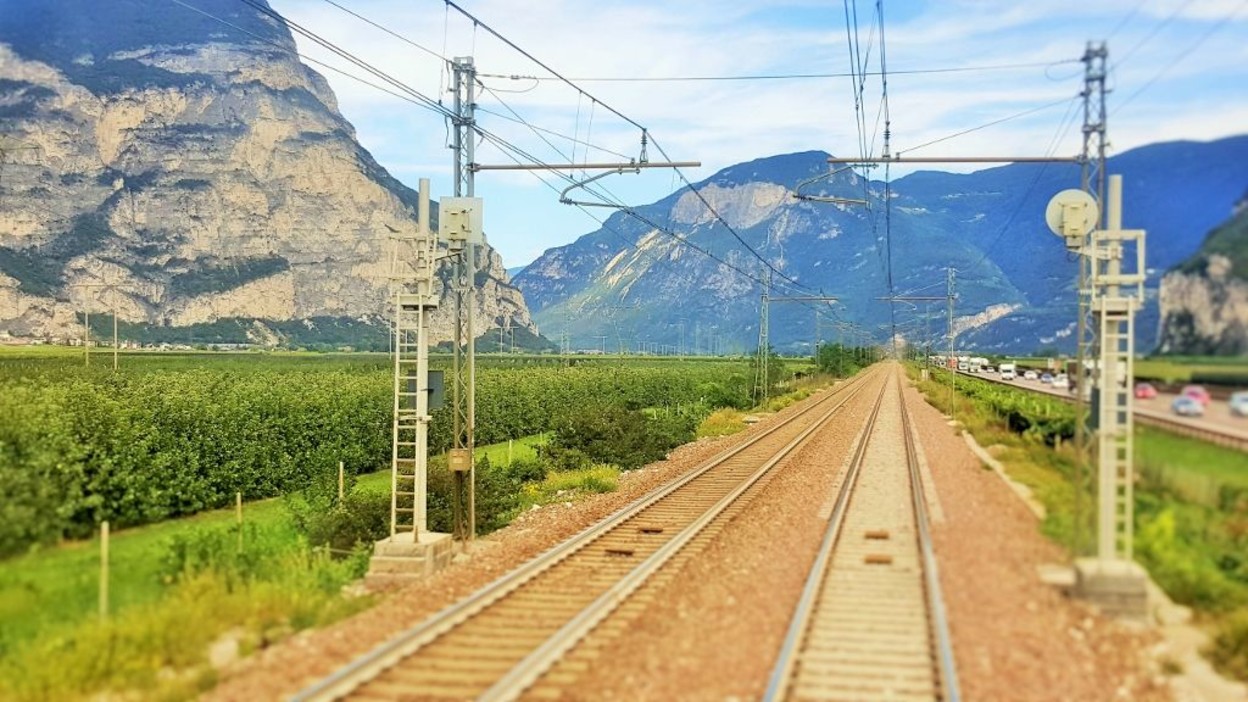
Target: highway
1218,425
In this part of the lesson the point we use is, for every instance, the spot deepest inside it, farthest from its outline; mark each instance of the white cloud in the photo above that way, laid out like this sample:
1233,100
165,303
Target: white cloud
721,123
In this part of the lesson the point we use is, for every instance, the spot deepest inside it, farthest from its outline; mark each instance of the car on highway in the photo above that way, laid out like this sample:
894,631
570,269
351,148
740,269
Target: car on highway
1046,378
1030,375
1145,391
1239,403
1187,406
1198,393
989,369
1061,381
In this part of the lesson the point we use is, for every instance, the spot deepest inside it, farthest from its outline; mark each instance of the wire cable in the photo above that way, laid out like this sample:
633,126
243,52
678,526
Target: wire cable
476,22
1179,58
986,125
406,98
780,76
392,33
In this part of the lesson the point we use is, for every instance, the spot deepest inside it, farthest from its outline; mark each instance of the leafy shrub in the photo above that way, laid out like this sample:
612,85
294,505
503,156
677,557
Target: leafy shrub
562,459
360,520
1229,648
497,496
722,423
527,470
622,437
236,553
1164,547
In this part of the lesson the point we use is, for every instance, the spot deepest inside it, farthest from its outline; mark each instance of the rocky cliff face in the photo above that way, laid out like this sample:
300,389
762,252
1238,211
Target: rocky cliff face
183,171
1204,301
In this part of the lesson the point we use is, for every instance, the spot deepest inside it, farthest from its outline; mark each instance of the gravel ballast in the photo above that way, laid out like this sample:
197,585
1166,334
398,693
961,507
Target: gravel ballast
713,631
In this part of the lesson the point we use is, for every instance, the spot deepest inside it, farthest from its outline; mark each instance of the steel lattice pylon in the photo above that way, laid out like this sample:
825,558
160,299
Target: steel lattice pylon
463,371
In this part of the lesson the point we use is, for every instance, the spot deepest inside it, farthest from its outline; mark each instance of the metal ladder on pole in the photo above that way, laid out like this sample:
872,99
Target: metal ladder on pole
1116,425
1117,294
413,271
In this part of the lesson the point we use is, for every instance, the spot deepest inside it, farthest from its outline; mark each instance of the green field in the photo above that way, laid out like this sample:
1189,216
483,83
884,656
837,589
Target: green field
174,434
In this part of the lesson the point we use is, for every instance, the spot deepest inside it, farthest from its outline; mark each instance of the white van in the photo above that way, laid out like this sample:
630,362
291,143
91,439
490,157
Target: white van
1007,371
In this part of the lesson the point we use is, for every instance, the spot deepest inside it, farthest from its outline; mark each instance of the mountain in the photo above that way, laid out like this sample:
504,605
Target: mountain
1204,300
195,176
635,284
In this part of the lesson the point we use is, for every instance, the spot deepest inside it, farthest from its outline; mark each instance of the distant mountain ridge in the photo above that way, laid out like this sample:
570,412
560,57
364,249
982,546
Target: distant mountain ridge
1015,280
193,174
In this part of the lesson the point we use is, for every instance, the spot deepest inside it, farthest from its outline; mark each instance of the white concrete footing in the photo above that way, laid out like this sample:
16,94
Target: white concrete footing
1118,587
401,559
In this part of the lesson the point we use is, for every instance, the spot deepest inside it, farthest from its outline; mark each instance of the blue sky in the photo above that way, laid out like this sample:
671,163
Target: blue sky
1179,70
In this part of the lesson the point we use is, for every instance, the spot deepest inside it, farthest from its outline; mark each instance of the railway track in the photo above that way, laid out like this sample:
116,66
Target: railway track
526,633
870,624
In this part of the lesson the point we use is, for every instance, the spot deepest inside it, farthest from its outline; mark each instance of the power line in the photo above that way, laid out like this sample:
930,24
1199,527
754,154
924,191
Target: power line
780,76
1152,33
476,22
888,183
1063,126
1123,22
993,123
429,102
1179,58
309,59
645,135
392,33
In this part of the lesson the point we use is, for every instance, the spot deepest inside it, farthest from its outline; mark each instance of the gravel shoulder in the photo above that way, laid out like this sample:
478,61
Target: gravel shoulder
1014,637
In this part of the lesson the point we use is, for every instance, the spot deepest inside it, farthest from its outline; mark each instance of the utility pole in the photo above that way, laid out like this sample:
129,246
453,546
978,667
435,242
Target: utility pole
953,359
111,287
462,239
1112,580
761,377
1092,181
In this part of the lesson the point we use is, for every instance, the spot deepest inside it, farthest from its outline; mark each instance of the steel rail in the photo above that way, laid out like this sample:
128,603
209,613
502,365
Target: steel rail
368,666
943,664
782,673
947,671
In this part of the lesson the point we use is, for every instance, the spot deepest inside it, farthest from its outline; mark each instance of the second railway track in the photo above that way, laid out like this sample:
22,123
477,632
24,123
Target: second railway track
513,636
870,624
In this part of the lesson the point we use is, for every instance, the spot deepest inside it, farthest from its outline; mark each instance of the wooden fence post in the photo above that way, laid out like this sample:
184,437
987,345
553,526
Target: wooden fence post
104,569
